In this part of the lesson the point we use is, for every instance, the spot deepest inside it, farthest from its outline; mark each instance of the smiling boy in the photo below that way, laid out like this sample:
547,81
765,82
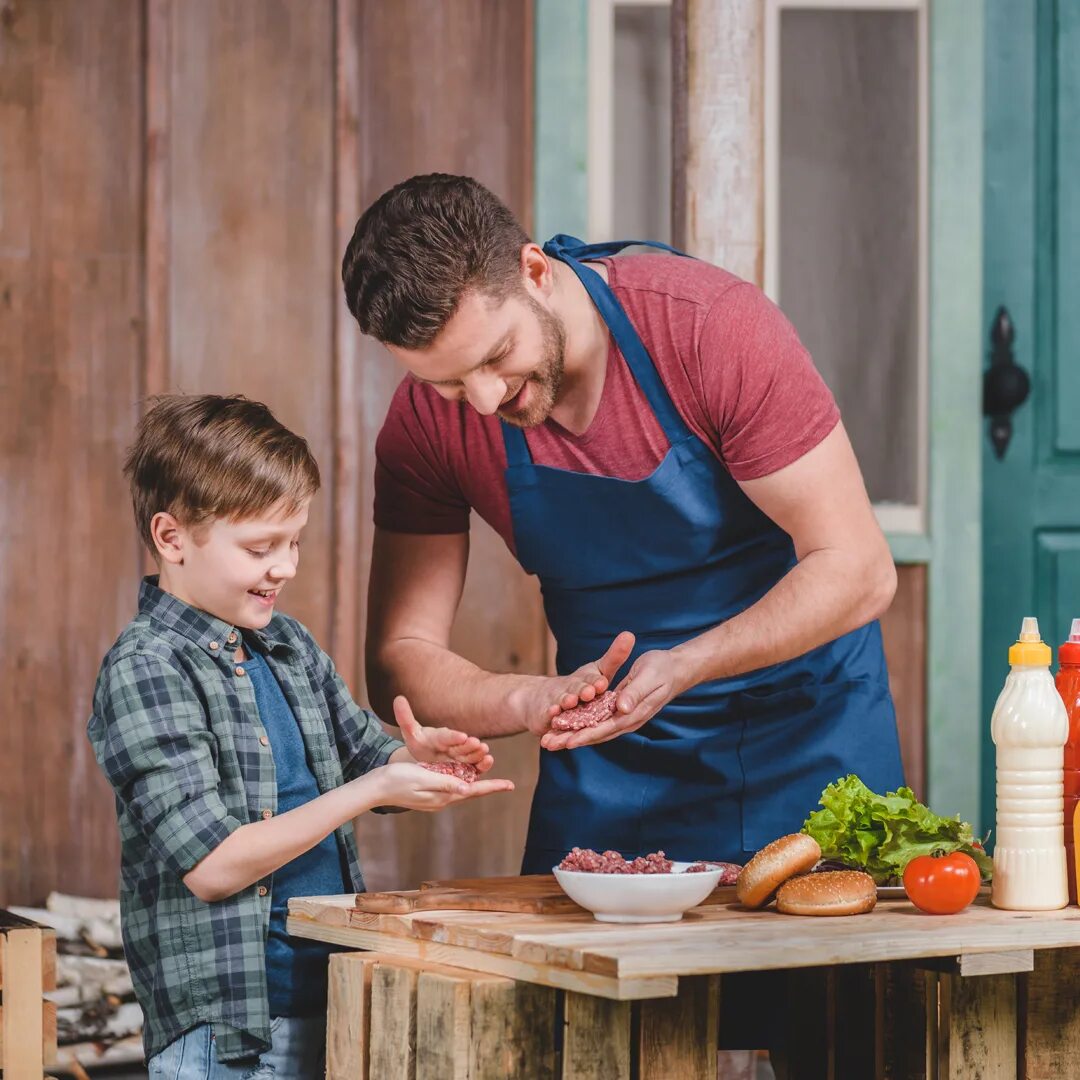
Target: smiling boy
236,753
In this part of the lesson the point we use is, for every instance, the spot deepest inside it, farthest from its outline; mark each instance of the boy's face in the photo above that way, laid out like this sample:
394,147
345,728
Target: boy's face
233,570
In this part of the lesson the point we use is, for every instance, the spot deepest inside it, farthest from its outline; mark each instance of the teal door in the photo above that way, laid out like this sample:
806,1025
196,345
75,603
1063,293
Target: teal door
1031,493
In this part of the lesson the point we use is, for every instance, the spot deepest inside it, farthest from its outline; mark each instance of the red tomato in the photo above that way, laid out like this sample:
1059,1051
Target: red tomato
942,884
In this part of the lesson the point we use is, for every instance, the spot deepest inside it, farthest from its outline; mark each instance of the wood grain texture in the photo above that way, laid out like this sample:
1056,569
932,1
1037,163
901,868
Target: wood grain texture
393,1022
22,1019
1049,1021
596,1038
70,355
909,1033
678,1036
443,1029
903,629
177,184
709,940
977,1037
251,240
348,1017
718,184
447,87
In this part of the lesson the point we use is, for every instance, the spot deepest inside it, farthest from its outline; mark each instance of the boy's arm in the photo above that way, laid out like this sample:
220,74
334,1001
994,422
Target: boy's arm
152,740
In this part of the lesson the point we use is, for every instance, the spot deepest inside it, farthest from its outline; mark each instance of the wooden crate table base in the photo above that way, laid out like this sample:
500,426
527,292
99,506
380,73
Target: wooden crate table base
893,995
27,1020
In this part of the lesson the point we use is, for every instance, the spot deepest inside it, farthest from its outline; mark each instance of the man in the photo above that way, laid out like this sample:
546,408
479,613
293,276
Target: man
650,438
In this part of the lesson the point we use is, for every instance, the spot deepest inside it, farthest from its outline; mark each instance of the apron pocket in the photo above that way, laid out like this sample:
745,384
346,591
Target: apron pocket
796,742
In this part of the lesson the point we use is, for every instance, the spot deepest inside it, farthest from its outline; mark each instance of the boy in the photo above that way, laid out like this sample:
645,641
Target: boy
236,754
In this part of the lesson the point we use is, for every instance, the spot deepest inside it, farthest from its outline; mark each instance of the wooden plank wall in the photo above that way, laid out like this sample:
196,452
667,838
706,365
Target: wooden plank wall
177,182
70,376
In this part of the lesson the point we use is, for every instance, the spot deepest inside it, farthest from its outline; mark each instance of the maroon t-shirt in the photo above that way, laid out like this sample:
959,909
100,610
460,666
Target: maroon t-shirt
730,360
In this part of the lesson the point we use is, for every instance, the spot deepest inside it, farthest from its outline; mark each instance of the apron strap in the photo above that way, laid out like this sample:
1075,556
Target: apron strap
570,250
563,246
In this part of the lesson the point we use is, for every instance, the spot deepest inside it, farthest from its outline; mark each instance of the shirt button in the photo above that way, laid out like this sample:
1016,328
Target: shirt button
264,740
262,890
239,671
231,639
214,645
267,814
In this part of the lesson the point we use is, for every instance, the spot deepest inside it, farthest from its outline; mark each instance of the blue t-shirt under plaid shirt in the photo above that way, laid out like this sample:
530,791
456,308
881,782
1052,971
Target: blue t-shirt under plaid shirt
177,732
296,968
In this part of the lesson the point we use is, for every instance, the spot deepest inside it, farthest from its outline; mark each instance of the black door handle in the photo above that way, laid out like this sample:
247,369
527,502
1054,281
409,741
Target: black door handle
1006,384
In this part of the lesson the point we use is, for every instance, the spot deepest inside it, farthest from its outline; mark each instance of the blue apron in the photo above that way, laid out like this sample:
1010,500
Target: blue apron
732,763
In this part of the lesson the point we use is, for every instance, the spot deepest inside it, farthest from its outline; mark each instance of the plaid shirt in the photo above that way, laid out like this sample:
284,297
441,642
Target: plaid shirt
176,730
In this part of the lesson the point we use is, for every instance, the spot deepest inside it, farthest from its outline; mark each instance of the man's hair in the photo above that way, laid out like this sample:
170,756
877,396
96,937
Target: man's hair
206,456
419,247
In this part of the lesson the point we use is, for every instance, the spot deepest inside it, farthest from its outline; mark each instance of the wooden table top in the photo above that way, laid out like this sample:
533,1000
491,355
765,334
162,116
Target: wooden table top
574,951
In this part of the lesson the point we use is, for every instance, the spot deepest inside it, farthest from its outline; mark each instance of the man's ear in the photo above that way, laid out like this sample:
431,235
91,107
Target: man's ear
169,537
536,270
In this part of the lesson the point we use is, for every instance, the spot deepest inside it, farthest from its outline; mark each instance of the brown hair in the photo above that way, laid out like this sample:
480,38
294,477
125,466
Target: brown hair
419,247
206,456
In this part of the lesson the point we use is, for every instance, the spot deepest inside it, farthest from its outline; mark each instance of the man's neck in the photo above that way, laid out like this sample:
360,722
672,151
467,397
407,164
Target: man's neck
587,345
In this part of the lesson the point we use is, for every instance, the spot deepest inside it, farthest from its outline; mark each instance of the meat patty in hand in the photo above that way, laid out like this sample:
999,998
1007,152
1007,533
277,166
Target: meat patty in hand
586,715
460,769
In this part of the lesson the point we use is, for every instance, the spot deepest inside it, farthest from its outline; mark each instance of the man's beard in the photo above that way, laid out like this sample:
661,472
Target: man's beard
546,381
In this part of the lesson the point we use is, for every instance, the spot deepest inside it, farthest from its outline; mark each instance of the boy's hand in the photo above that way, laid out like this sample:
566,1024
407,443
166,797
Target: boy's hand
439,744
413,788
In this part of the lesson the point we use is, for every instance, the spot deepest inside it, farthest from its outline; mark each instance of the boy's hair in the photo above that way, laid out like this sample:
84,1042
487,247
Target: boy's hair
205,456
419,247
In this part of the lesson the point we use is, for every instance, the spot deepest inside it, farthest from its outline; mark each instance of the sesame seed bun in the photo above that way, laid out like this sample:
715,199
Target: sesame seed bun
835,892
773,865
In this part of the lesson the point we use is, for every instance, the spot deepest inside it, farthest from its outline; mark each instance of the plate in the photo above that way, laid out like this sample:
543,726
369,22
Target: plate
891,892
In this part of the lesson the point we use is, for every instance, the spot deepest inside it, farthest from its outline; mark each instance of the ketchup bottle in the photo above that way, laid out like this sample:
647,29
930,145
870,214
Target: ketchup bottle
1068,686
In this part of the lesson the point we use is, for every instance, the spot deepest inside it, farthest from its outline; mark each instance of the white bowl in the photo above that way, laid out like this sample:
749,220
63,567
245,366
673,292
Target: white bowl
638,898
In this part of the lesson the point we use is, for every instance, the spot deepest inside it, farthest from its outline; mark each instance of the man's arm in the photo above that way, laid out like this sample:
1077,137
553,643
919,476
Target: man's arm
844,578
416,585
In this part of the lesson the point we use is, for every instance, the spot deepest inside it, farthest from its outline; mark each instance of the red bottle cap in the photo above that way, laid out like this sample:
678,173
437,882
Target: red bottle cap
1069,651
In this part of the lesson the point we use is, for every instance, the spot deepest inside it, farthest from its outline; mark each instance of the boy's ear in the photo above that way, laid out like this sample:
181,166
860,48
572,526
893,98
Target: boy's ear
169,537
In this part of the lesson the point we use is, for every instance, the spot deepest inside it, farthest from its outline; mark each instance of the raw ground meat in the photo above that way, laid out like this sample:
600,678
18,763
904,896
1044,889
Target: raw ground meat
728,871
459,769
587,714
587,861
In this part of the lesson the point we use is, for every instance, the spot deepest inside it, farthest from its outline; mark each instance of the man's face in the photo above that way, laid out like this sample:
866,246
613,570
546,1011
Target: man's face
502,356
235,570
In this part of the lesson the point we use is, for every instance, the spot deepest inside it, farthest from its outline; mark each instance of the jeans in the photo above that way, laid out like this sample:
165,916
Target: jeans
298,1053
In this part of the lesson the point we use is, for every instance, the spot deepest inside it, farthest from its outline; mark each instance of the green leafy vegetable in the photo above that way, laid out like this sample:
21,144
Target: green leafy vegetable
881,834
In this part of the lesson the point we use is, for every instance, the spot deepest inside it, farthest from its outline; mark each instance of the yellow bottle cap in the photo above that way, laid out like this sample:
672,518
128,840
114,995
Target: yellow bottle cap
1030,649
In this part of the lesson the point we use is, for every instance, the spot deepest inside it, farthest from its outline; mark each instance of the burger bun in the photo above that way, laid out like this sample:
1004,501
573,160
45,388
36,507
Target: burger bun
834,892
759,879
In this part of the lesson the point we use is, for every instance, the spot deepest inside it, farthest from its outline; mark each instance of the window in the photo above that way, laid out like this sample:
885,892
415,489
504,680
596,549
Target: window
845,222
629,146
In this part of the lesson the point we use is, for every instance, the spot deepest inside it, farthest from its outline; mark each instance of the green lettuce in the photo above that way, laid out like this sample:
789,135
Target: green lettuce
881,834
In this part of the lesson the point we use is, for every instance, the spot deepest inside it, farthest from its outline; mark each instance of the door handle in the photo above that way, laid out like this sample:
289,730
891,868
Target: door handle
1006,384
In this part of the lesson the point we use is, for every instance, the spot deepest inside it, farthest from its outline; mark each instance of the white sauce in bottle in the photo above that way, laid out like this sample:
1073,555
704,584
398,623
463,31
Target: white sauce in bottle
1029,728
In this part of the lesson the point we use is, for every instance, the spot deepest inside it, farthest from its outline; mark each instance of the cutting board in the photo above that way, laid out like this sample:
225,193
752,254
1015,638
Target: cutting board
538,894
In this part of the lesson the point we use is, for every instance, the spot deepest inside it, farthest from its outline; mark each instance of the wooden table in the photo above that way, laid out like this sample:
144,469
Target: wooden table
894,993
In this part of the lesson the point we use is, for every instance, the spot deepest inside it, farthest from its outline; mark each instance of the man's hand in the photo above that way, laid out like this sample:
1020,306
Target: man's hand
547,697
439,744
654,679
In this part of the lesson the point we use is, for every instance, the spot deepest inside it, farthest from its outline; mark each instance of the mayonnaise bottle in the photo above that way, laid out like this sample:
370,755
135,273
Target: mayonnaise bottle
1029,727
